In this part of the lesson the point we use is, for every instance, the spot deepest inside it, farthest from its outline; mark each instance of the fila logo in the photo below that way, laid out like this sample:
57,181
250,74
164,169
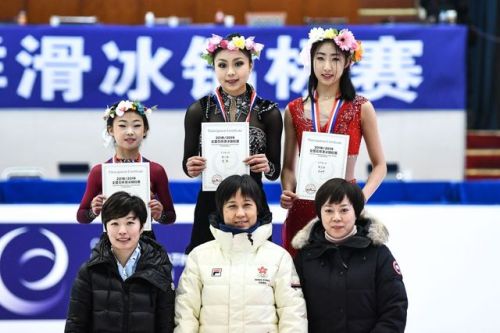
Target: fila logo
216,272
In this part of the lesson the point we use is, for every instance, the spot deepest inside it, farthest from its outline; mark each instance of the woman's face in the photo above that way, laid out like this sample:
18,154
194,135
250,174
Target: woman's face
338,219
128,131
240,212
328,64
124,233
232,69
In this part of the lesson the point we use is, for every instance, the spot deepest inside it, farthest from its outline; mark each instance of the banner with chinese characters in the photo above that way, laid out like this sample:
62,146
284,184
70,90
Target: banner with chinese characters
405,67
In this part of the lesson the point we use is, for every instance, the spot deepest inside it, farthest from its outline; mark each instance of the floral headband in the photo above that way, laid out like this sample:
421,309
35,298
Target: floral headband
344,39
124,106
237,42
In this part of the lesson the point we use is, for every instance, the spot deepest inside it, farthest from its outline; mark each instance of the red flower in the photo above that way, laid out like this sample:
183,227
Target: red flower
223,44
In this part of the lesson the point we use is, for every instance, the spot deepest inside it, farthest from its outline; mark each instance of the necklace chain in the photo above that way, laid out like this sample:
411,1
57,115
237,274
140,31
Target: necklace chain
326,97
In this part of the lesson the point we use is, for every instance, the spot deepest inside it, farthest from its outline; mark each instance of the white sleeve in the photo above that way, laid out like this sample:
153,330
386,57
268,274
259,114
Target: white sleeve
188,297
290,303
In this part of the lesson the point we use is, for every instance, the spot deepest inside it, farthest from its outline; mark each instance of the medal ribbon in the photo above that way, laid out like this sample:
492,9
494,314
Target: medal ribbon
315,114
220,103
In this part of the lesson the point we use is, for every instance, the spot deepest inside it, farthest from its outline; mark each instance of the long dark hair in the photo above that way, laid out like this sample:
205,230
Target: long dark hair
347,91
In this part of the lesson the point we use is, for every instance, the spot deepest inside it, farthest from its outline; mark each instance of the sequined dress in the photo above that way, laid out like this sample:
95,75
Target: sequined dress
349,123
265,128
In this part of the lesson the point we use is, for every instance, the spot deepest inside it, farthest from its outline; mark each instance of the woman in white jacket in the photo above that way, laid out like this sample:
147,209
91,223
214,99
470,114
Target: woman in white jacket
240,282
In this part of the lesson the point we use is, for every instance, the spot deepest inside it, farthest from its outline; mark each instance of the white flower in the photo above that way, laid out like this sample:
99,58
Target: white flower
123,107
148,111
316,34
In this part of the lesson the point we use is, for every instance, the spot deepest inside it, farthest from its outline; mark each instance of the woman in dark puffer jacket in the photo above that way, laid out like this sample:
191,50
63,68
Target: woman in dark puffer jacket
351,281
126,286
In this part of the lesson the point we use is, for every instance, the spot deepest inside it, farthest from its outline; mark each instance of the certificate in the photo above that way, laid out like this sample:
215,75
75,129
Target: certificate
129,177
323,156
225,146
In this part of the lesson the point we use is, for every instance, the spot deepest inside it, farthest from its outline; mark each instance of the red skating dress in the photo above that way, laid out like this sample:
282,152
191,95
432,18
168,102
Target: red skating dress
349,123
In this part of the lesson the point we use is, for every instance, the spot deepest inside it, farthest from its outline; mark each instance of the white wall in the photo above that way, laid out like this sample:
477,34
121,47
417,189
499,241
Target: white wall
428,145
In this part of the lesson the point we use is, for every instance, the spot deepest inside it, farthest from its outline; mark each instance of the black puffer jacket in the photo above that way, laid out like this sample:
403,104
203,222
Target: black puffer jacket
102,302
354,287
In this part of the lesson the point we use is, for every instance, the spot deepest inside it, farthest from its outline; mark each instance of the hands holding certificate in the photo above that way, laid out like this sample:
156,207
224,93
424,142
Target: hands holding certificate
287,198
155,206
195,165
96,204
257,163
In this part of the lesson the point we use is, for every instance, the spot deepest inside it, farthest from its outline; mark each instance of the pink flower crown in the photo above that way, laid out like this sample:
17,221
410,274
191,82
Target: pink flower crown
237,42
124,106
344,39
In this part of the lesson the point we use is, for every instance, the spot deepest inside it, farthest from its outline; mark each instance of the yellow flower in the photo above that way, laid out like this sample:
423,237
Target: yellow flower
329,34
239,42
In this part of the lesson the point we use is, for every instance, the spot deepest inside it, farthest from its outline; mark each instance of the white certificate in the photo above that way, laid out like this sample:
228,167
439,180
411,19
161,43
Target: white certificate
323,156
129,177
225,146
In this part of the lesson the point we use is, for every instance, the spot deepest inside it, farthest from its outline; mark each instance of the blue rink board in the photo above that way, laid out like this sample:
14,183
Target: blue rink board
71,191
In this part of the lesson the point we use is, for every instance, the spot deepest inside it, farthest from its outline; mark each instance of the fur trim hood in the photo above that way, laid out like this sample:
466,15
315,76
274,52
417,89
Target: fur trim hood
369,228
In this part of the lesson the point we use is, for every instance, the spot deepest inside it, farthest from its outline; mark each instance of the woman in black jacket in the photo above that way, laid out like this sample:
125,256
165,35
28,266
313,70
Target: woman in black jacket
351,281
126,286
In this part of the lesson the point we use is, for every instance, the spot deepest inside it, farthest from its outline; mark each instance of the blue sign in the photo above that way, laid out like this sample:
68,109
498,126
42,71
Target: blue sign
404,66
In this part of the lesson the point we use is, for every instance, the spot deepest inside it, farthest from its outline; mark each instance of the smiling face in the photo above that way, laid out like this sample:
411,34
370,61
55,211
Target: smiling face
232,69
124,233
128,132
328,64
240,212
338,219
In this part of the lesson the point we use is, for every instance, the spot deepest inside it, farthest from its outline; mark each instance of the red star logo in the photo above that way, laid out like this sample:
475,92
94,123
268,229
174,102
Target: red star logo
262,270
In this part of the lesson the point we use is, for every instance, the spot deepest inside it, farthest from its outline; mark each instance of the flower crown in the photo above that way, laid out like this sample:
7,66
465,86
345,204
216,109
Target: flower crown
124,106
344,39
236,42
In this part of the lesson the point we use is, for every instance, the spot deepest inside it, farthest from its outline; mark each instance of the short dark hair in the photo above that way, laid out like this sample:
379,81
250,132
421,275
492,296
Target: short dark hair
244,50
347,90
248,187
334,191
120,204
110,120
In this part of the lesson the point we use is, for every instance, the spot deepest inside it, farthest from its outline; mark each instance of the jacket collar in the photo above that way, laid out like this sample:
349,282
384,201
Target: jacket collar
243,242
153,266
370,231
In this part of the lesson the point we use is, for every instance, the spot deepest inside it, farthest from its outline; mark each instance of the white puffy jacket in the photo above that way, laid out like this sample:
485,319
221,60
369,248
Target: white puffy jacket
240,283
